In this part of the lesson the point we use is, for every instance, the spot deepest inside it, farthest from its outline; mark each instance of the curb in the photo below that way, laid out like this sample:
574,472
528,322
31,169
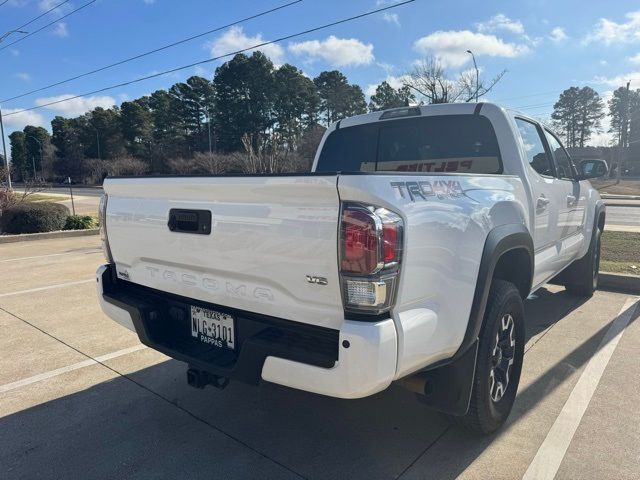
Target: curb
616,204
613,196
619,282
28,237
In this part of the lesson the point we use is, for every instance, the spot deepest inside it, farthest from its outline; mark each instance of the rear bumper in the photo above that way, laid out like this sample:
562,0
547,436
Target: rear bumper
356,361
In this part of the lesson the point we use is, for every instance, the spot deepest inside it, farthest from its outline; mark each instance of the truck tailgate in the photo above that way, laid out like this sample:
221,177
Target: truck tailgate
268,234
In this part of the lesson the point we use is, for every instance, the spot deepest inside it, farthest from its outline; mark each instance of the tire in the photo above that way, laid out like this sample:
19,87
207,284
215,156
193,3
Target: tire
501,344
583,274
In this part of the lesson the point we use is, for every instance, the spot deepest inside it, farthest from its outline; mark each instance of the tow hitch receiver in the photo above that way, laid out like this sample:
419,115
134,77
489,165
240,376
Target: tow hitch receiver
200,379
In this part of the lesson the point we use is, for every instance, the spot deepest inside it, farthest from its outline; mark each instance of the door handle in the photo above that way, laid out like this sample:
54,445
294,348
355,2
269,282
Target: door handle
571,200
542,202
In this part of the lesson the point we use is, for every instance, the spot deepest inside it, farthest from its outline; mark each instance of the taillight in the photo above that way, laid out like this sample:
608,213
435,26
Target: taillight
360,231
370,253
102,220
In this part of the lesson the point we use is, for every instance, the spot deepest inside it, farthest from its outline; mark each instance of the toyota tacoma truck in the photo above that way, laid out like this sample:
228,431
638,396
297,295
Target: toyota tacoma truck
404,256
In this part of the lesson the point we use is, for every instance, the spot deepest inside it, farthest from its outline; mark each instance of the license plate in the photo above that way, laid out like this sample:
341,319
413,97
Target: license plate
214,328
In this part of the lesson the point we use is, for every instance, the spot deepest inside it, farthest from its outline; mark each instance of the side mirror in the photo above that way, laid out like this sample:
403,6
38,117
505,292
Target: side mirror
592,169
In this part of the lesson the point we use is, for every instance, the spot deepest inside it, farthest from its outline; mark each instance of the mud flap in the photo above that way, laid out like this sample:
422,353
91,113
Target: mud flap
447,388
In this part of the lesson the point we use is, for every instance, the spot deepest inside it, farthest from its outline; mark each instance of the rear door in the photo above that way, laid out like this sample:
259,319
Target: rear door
544,186
267,234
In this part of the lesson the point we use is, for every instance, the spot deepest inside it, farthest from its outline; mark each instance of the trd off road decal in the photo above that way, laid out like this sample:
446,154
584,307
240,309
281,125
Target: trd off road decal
422,190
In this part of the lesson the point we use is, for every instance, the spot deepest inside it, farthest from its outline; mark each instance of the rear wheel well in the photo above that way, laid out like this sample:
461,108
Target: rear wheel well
515,266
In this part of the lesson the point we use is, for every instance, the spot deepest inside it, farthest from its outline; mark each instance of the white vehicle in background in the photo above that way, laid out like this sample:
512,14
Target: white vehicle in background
405,256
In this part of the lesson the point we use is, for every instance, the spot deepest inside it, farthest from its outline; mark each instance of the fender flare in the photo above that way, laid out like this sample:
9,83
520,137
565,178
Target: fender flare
499,241
450,382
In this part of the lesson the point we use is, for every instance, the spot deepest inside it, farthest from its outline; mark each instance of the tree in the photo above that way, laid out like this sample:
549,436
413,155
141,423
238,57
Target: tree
168,135
244,99
617,104
102,134
196,105
338,99
295,104
19,155
578,114
38,149
430,81
388,97
67,138
136,125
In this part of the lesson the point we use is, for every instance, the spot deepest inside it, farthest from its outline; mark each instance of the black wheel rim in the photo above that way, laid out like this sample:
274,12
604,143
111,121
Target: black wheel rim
502,356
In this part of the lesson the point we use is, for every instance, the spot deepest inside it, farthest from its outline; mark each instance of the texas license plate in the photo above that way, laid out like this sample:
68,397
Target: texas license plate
214,328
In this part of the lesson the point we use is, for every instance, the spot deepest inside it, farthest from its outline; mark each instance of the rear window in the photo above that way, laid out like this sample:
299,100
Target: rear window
443,143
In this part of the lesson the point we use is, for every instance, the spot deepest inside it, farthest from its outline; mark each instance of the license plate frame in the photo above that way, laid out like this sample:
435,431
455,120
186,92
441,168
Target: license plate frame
213,327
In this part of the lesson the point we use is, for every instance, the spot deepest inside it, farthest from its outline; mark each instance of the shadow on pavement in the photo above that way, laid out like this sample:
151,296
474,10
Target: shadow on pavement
165,429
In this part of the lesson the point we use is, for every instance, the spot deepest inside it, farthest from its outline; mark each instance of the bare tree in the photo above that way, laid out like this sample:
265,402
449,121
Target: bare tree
429,80
9,198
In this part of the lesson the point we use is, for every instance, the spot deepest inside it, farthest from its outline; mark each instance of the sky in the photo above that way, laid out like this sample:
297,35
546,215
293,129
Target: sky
545,46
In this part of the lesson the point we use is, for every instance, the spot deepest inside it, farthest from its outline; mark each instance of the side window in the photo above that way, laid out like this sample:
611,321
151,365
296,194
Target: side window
533,145
564,168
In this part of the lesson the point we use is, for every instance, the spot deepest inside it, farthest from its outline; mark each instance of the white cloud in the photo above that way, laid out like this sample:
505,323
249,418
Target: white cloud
17,121
501,22
234,39
61,30
25,77
395,82
203,72
77,106
46,5
339,52
635,59
451,47
391,18
609,32
618,80
558,35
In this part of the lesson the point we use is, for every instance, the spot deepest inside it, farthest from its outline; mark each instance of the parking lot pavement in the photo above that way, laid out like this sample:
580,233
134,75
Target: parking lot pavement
81,398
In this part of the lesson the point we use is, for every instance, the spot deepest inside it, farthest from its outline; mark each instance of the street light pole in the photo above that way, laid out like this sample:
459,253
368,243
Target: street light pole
623,135
4,146
209,127
4,150
32,160
477,73
98,142
5,35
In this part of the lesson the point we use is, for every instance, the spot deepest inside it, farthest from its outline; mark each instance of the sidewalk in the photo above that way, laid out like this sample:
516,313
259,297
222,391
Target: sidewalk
622,228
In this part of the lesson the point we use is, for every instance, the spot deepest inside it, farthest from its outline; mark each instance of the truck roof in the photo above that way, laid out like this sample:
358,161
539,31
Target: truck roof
466,108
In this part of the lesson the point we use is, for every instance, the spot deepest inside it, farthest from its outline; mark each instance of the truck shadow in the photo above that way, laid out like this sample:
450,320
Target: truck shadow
150,424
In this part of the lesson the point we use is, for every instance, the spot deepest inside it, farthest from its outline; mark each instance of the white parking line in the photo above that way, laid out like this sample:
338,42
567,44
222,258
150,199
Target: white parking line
49,287
547,461
69,368
88,251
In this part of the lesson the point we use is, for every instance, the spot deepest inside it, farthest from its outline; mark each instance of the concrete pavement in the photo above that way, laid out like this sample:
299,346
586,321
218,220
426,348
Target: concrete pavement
81,398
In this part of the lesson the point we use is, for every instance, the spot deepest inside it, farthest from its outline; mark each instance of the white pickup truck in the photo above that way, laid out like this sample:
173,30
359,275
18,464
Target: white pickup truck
403,257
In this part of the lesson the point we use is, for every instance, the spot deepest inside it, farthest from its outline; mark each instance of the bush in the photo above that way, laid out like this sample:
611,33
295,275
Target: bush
79,222
34,217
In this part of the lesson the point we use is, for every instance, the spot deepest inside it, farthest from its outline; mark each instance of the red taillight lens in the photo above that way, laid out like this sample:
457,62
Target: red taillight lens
390,242
370,257
359,242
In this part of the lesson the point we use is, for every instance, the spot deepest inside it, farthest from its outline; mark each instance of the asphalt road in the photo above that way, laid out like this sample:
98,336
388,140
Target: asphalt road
81,398
81,191
622,215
